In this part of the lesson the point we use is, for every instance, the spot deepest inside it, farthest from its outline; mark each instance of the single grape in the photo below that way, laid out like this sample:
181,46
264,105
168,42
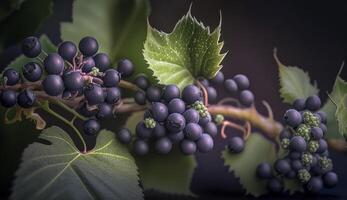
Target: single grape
88,64
218,78
175,122
163,145
236,144
275,185
32,71
159,111
140,147
322,116
191,94
193,131
296,165
204,81
211,129
205,143
67,50
176,137
124,136
298,144
73,81
31,47
142,81
102,61
125,67
292,118
88,46
91,127
294,155
188,147
12,76
282,166
54,64
291,174
323,146
241,81
8,98
317,133
159,130
170,92
324,128
230,86
105,111
212,94
176,106
111,78
313,103
285,134
26,98
140,97
330,179
53,85
87,112
142,131
299,104
191,116
66,94
113,95
204,120
264,171
246,98
94,94
315,184
153,94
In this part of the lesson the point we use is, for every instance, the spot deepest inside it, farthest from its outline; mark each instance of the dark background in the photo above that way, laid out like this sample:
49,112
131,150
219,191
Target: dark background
309,34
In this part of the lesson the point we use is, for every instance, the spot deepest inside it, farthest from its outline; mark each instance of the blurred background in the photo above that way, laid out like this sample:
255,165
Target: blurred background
308,34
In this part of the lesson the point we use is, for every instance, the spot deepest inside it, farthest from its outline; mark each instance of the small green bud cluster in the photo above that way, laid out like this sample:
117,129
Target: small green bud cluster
306,159
303,175
201,108
219,119
310,119
149,122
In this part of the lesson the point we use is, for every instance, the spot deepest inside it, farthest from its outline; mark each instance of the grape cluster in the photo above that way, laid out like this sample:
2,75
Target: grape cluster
71,72
172,118
307,156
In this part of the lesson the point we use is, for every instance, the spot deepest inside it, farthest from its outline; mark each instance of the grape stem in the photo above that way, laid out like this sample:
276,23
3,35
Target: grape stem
269,126
246,130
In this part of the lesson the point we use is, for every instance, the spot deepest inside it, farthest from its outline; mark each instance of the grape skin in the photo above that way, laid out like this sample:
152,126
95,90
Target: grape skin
236,144
153,94
125,67
91,127
102,62
111,78
205,143
31,47
124,136
113,95
241,81
8,98
26,98
175,122
191,116
53,85
94,94
12,76
170,92
163,145
67,50
142,82
32,71
140,97
88,46
191,94
140,147
176,106
193,131
188,147
54,64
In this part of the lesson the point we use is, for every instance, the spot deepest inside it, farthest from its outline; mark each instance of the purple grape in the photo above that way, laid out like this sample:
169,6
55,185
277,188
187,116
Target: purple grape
292,118
246,98
140,97
142,131
91,127
298,144
241,81
54,64
211,129
175,122
322,116
67,50
231,86
296,165
153,94
299,104
313,103
315,184
176,106
317,133
94,94
282,166
26,98
32,71
205,143
88,46
8,98
218,78
73,81
159,111
163,145
176,137
170,92
323,146
124,136
193,131
204,120
204,81
88,64
105,111
188,147
324,128
236,144
12,76
159,130
275,186
31,47
53,85
142,82
285,134
113,95
330,179
102,61
111,78
191,116
140,147
212,94
191,94
264,171
125,67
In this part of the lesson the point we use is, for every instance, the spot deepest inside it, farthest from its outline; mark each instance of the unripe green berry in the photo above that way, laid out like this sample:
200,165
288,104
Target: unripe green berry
325,163
306,159
313,146
219,119
304,131
310,119
149,123
303,175
285,143
201,108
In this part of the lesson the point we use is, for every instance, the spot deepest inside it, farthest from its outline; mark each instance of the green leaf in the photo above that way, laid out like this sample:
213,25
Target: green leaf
46,45
336,113
118,25
171,173
24,21
244,164
60,171
295,83
186,53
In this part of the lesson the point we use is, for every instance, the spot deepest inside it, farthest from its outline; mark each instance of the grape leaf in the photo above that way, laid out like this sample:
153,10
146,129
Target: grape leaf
171,173
336,114
118,25
294,82
46,45
23,21
186,53
60,171
257,150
